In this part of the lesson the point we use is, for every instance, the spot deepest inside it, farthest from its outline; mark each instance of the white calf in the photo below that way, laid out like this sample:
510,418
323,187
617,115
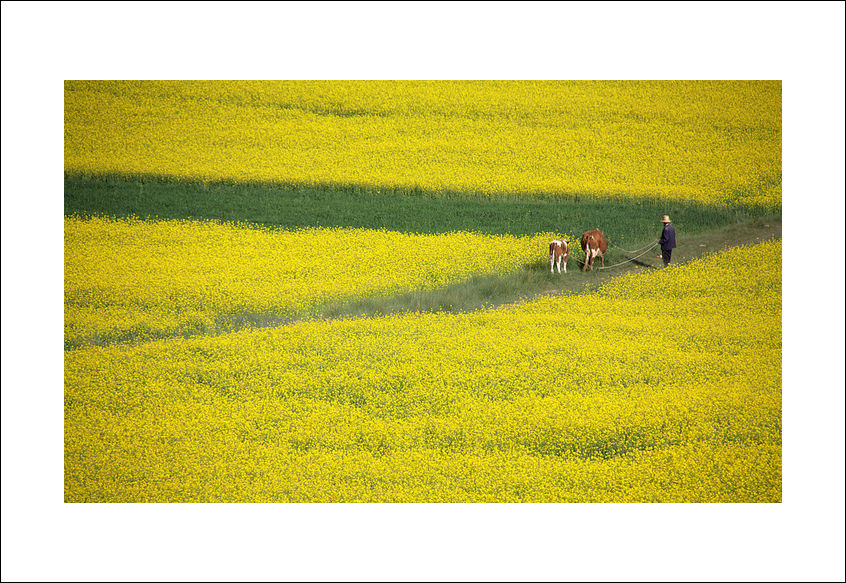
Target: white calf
558,252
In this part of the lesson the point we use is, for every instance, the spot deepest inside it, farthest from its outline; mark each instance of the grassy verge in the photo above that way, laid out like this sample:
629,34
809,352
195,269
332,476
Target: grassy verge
624,221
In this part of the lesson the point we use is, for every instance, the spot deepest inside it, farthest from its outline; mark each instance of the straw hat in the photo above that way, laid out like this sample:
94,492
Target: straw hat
666,219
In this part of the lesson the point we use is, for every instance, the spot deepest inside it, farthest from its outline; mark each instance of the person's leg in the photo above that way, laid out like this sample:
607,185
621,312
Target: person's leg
666,254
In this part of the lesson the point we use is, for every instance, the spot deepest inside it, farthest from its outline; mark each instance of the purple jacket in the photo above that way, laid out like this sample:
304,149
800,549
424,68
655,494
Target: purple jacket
668,238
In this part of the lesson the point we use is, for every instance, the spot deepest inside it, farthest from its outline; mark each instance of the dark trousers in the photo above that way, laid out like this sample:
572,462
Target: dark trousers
666,254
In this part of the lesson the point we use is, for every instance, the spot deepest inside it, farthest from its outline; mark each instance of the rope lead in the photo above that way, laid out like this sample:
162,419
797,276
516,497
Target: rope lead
644,249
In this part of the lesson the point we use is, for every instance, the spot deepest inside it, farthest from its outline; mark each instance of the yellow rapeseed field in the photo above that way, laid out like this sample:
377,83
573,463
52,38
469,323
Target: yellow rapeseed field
662,387
711,142
128,279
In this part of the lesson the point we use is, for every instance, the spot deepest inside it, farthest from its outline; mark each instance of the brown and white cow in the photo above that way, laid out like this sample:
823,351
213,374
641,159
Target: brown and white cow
558,253
594,245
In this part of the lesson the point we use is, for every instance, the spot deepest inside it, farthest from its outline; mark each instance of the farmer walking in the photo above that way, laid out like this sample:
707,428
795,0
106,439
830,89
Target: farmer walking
667,240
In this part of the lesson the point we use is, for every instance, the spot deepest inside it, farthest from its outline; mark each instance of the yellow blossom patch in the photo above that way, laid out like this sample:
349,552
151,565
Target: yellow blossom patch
136,280
662,387
706,142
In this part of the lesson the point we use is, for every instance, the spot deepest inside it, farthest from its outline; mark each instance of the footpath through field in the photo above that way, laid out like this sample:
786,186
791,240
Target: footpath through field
535,280
690,247
482,292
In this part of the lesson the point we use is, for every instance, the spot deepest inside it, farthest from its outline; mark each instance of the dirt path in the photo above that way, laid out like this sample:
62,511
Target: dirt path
689,247
696,246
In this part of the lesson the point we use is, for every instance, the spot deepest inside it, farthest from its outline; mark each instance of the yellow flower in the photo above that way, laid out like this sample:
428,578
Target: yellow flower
706,141
639,392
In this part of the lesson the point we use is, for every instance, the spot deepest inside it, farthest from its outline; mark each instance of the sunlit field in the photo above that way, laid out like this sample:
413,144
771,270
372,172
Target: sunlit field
663,386
132,280
340,292
694,141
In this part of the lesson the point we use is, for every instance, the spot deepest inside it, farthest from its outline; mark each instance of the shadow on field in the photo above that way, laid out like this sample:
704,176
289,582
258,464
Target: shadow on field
624,221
